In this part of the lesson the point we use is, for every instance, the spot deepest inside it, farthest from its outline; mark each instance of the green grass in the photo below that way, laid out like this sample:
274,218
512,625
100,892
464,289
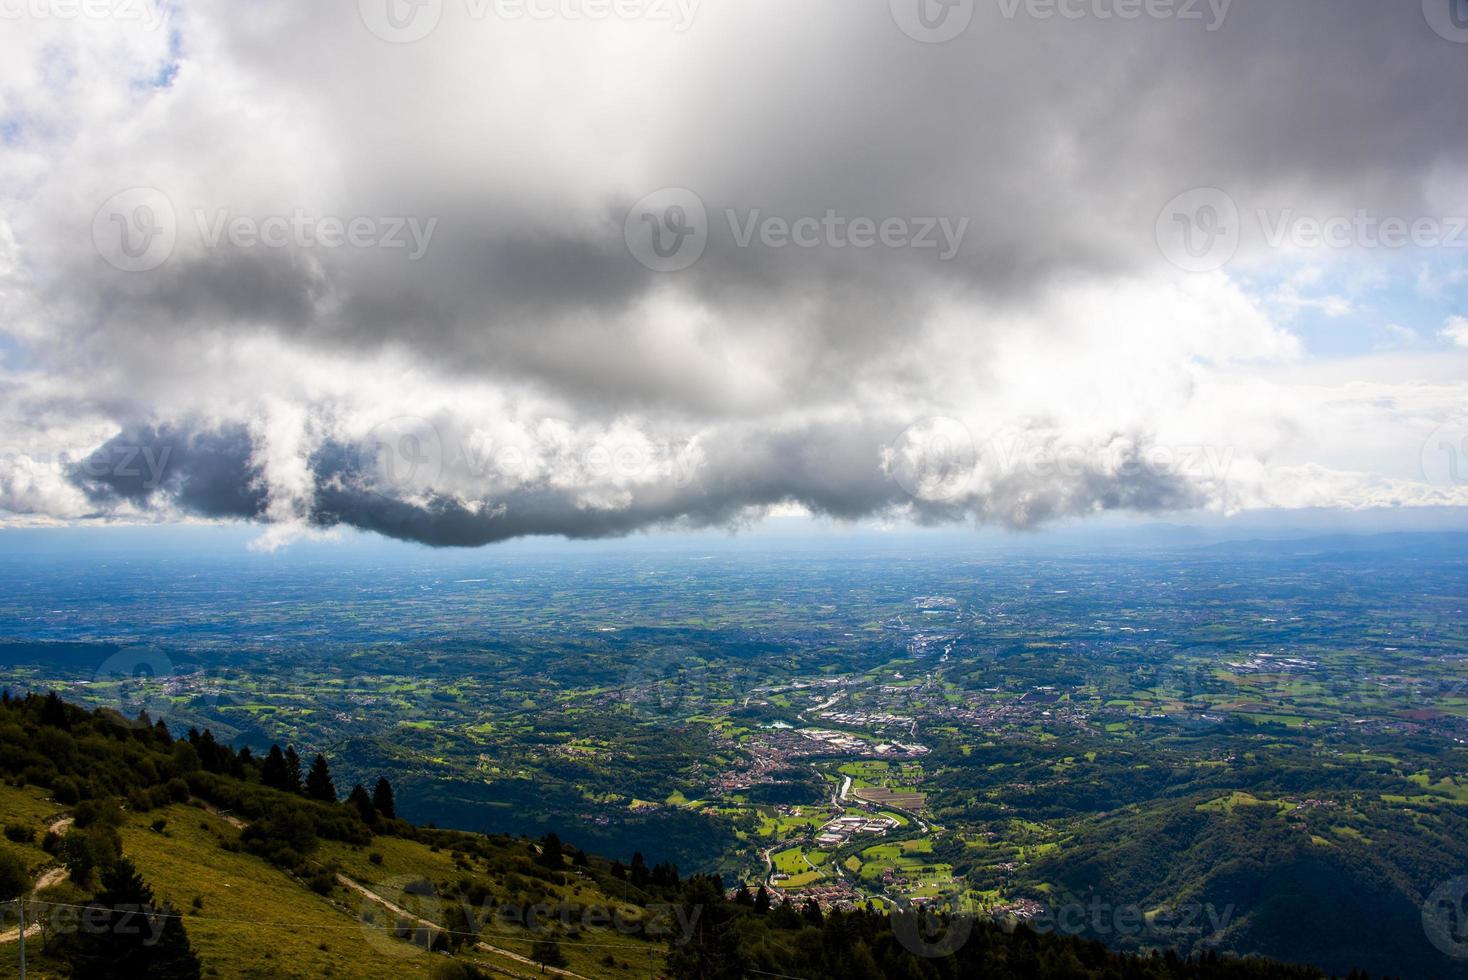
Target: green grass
29,807
256,921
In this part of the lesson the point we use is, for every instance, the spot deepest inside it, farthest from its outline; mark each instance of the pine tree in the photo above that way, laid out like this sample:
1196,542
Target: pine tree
275,773
363,803
53,712
552,855
640,873
211,754
382,799
293,768
318,784
132,937
547,953
762,901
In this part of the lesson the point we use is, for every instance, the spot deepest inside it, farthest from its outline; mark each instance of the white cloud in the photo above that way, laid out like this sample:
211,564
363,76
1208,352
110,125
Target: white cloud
1456,330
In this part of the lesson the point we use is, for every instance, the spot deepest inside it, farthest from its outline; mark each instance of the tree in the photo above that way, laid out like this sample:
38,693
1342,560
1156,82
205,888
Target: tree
293,768
14,881
458,925
552,855
639,872
211,755
130,936
742,896
275,773
53,711
318,784
762,901
359,799
382,799
547,953
83,851
711,950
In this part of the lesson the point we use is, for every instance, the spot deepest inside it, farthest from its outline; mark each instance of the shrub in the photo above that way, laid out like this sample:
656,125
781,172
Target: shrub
14,881
20,834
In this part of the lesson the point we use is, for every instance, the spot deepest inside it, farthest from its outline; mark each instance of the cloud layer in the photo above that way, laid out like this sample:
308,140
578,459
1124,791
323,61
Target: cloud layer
319,277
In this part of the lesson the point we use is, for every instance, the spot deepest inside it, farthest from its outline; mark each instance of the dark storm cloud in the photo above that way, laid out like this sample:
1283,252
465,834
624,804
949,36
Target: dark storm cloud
831,470
209,474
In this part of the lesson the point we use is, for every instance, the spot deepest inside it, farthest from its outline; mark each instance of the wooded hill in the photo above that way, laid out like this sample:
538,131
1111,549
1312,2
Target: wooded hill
142,852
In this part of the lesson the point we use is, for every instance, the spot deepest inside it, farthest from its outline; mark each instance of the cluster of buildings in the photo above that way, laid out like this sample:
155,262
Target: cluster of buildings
842,829
829,893
993,714
1272,663
1020,909
777,749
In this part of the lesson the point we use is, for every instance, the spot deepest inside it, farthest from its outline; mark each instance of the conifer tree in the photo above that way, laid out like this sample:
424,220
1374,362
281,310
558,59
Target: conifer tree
383,801
318,784
293,769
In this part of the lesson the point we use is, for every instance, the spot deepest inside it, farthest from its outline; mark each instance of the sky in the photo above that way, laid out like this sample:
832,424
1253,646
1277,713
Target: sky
460,272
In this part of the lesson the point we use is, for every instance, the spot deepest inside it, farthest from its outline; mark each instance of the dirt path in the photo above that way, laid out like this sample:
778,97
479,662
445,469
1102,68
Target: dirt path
49,878
234,822
483,947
